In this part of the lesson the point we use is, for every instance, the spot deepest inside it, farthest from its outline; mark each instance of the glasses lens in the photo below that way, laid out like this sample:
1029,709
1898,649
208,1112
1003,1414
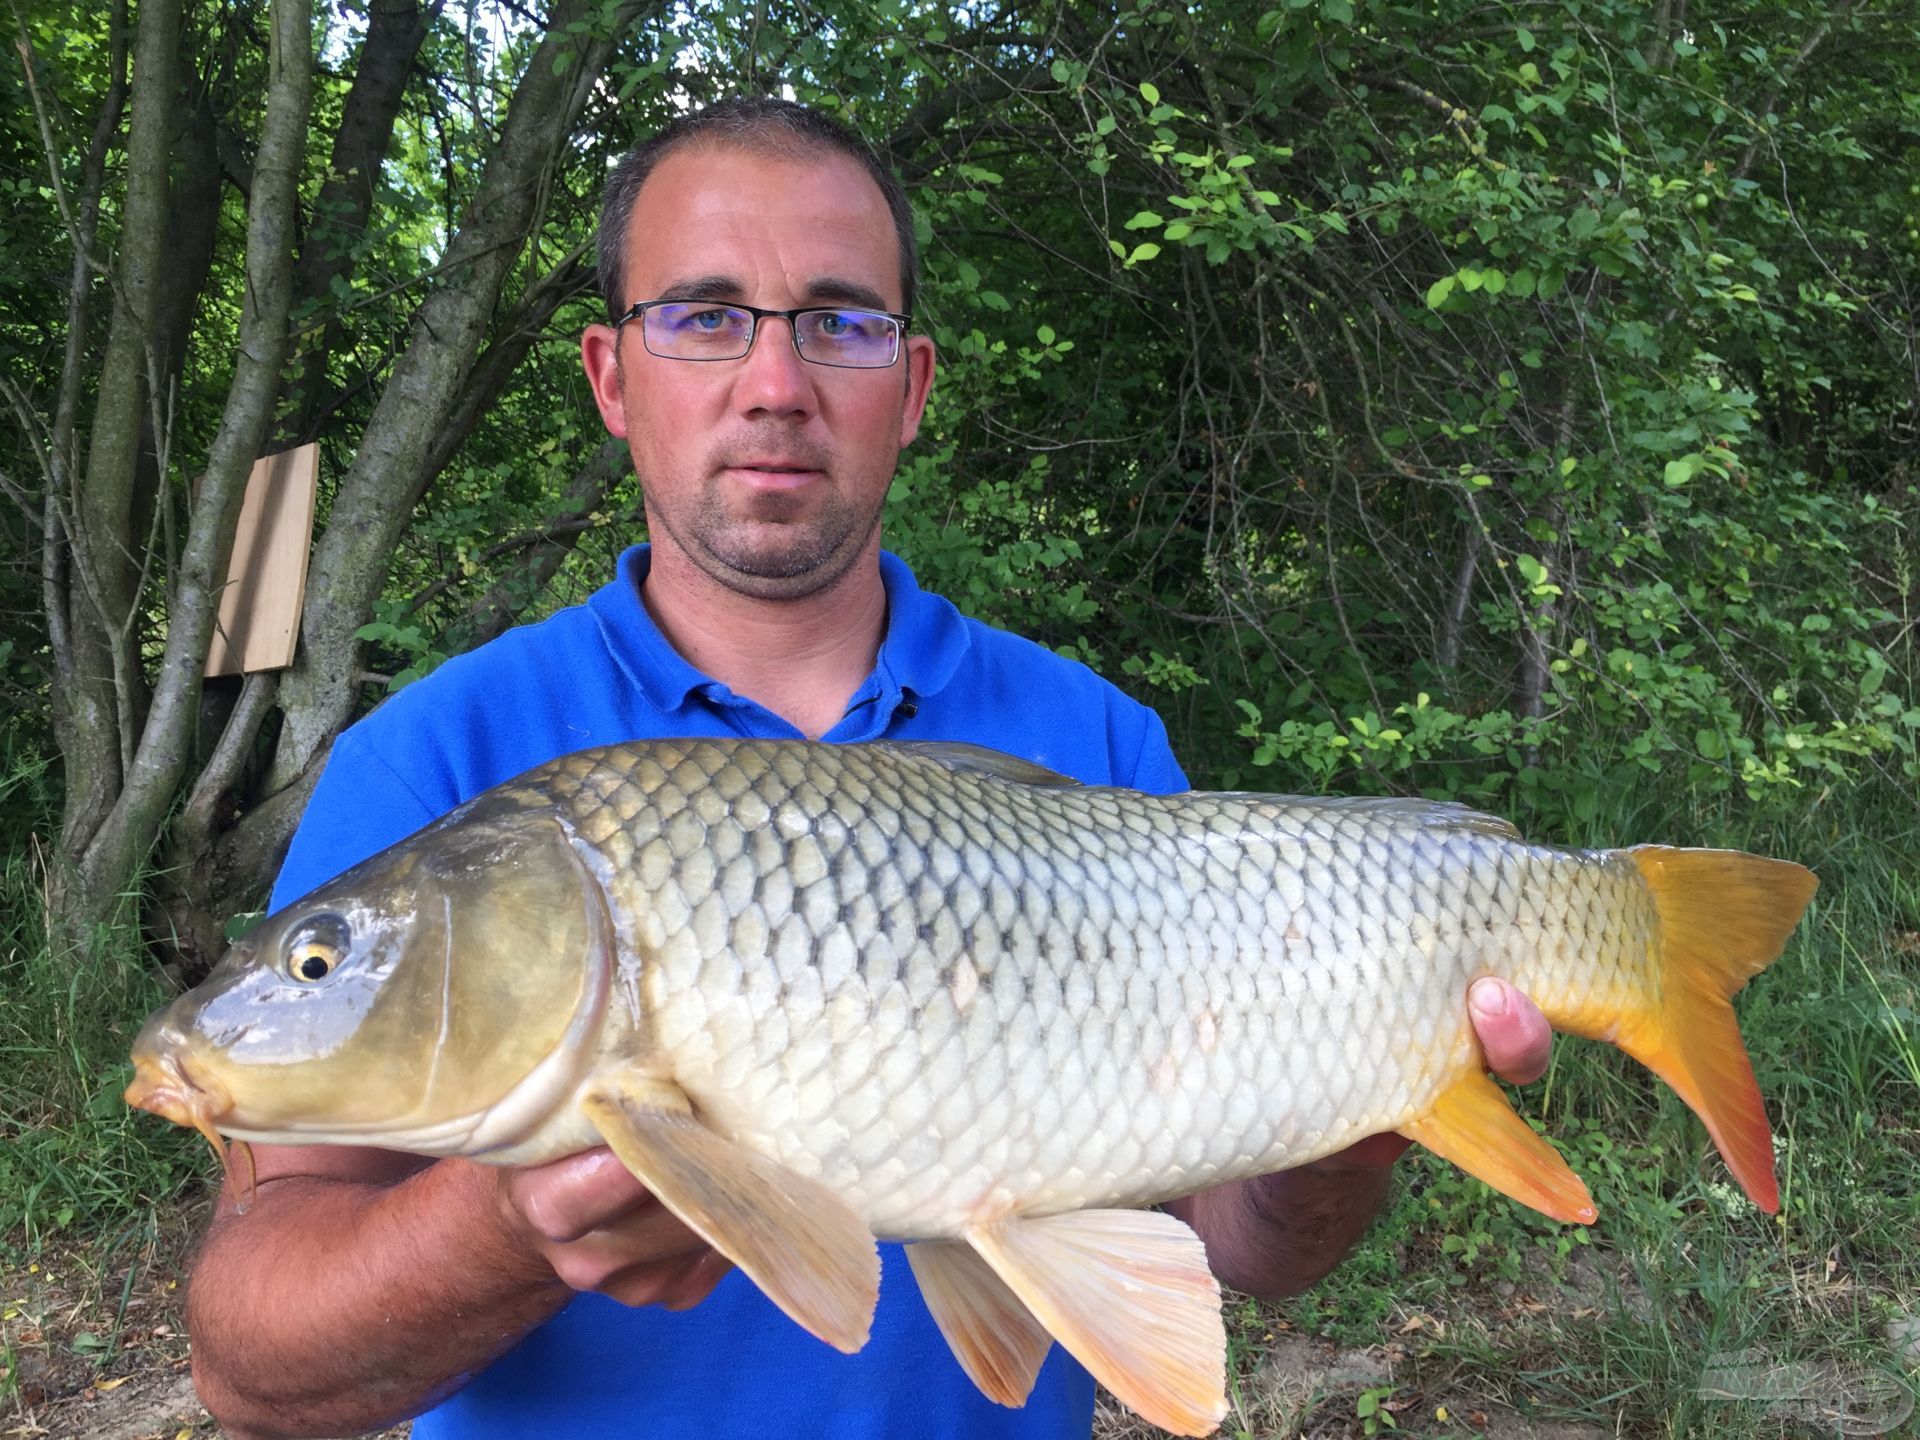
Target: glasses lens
857,339
694,331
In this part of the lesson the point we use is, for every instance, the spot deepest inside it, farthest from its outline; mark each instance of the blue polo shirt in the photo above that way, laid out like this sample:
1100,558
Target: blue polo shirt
602,672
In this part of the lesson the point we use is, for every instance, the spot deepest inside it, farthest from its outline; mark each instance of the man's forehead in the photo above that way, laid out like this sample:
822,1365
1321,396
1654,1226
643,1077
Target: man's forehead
716,210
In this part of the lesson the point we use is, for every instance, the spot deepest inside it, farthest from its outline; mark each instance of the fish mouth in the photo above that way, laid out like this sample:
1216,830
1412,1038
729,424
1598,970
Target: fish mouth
164,1086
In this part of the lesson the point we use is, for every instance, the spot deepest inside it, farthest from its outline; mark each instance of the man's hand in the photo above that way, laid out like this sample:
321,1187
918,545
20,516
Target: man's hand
601,1229
1279,1234
450,1262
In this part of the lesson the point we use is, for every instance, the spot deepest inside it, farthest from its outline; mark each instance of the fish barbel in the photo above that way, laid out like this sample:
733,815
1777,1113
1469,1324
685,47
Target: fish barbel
812,995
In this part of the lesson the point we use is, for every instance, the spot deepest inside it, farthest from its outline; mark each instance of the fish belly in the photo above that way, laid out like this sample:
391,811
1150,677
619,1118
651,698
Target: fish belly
951,997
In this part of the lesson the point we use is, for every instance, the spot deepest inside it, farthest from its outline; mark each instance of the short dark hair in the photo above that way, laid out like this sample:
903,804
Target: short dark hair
751,123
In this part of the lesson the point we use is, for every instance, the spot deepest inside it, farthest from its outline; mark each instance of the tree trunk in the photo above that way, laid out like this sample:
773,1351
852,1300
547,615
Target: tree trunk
232,832
395,31
389,473
100,693
153,758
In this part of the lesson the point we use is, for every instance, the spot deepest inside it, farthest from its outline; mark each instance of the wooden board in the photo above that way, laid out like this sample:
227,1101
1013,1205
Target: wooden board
267,576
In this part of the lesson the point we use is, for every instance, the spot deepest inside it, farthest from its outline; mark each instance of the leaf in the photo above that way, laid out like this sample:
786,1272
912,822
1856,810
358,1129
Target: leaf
1045,334
1142,252
1679,472
1149,92
1144,220
1438,292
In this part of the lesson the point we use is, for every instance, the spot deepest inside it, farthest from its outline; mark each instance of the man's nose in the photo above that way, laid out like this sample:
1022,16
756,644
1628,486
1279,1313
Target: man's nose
774,379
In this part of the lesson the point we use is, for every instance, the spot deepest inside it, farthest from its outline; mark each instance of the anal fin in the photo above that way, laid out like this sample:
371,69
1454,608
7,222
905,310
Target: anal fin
799,1242
1129,1294
993,1335
1473,1126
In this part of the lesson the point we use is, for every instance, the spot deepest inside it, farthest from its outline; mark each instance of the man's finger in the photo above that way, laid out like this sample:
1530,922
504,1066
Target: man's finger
697,1281
566,1199
1513,1033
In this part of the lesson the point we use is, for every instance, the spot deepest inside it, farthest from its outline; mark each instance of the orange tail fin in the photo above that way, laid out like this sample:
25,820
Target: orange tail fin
1724,917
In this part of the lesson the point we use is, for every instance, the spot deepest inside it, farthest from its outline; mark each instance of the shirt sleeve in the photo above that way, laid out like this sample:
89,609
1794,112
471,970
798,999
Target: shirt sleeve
1154,768
359,807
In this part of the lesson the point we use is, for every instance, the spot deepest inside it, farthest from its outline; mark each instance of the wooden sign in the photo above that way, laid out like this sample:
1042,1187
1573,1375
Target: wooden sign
267,576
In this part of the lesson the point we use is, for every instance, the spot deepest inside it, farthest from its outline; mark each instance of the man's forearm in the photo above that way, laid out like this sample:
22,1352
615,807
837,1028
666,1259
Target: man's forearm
336,1306
1276,1235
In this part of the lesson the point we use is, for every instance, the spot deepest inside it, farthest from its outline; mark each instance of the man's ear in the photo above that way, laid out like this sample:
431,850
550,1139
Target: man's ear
921,362
600,357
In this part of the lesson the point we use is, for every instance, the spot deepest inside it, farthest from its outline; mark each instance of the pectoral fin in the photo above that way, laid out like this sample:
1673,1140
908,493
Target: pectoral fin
1128,1292
1473,1126
799,1242
994,1337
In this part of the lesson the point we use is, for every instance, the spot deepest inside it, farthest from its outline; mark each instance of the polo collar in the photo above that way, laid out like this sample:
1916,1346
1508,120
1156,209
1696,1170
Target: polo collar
925,642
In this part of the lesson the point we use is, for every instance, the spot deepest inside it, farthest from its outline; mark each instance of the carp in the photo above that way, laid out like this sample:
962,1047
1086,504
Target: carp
817,995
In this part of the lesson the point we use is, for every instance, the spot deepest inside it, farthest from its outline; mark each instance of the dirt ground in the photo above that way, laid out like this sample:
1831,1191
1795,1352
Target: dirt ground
93,1347
96,1345
93,1341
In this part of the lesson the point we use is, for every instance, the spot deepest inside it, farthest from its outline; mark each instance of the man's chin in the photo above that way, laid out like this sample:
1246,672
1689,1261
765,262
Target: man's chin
780,567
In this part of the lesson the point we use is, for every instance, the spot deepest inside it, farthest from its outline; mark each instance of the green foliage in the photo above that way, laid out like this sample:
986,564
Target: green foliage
71,1153
1519,411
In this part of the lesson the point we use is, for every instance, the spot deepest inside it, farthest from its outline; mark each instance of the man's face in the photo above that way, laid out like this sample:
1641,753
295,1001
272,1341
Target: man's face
767,473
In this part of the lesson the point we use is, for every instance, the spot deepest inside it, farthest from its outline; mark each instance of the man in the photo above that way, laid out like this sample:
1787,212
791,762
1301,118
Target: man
758,264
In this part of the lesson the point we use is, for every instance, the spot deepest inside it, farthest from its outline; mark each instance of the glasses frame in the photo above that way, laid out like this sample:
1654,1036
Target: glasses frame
792,317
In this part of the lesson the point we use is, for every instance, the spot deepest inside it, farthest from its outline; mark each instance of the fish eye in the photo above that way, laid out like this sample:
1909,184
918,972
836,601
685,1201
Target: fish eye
316,948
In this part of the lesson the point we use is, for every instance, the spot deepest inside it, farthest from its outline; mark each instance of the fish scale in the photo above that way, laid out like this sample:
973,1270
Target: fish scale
1100,928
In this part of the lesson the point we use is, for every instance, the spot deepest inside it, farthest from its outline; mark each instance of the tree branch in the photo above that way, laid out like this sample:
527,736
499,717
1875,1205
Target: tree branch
148,790
377,495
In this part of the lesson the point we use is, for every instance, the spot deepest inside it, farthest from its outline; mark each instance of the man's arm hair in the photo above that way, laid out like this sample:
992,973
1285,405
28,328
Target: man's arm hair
359,1288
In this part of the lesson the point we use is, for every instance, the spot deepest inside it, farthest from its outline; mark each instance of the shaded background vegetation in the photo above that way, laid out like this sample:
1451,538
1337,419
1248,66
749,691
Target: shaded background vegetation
1511,401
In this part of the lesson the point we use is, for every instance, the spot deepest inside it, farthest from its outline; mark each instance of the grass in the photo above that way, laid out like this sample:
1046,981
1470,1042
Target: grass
72,1155
1471,1312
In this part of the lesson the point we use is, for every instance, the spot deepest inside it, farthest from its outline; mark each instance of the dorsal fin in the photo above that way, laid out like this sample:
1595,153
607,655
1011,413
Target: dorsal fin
1428,814
956,755
1414,812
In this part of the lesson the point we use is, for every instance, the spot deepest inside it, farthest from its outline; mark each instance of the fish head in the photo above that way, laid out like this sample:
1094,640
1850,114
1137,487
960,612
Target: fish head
437,997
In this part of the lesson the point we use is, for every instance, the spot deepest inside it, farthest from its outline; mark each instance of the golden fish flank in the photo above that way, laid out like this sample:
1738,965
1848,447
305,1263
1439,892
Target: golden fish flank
812,995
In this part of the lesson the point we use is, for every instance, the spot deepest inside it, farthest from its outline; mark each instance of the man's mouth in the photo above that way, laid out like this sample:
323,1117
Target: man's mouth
774,474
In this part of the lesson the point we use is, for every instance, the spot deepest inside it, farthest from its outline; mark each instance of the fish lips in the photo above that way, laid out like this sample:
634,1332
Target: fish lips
164,1084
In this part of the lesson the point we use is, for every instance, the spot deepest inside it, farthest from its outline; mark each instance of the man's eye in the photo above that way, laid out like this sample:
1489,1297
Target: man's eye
835,325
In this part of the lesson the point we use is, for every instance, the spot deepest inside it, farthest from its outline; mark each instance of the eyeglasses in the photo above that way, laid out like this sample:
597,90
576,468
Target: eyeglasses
823,335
